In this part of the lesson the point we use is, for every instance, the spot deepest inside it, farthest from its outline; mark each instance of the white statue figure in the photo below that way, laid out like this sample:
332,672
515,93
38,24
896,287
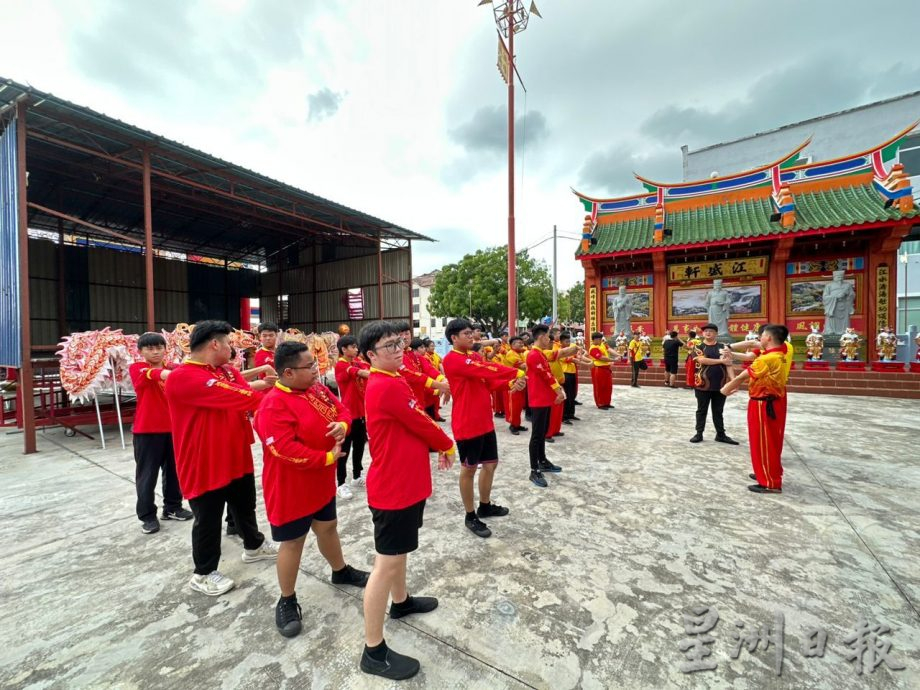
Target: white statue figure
838,298
622,311
719,306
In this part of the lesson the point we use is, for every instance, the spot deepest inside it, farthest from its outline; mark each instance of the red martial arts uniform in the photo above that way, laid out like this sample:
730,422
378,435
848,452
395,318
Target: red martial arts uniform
351,386
211,434
419,374
767,415
298,471
151,416
264,356
400,434
555,365
471,381
514,400
601,375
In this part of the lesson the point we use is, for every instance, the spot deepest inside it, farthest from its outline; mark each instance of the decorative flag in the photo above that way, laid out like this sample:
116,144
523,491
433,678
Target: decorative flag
533,9
504,61
355,302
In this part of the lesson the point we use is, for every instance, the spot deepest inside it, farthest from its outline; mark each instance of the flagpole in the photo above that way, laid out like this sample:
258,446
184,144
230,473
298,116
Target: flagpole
512,262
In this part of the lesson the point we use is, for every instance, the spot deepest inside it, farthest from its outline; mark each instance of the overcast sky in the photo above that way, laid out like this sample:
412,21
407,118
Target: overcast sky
396,107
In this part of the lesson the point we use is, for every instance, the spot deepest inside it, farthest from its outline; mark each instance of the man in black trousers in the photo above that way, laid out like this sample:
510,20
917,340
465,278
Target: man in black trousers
712,376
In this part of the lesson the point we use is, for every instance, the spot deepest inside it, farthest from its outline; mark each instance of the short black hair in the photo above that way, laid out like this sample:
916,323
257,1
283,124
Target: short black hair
514,339
374,332
596,335
454,326
206,331
287,354
691,334
151,340
416,343
402,326
565,335
777,332
267,326
428,342
341,343
673,334
538,330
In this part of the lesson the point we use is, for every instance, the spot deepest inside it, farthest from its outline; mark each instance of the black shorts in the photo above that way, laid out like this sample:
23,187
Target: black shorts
295,529
670,366
396,531
478,450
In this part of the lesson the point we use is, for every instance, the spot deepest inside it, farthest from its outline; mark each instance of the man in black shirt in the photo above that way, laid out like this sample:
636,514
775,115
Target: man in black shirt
671,346
712,373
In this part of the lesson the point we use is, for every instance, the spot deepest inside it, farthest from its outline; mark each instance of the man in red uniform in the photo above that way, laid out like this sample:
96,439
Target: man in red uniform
153,446
268,339
555,354
208,402
419,372
398,484
516,399
302,426
351,374
601,371
767,377
543,392
472,383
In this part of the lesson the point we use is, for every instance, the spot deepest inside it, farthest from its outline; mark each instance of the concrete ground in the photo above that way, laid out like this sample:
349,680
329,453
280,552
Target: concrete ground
583,585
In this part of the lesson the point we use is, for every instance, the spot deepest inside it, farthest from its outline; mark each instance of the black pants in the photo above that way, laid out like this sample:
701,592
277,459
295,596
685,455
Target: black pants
570,385
635,375
240,499
703,399
153,453
354,442
539,425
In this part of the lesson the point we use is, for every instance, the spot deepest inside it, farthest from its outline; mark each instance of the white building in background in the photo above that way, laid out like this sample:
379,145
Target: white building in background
424,324
834,135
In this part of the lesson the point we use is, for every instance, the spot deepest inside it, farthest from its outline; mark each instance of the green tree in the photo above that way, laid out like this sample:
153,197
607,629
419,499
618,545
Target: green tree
575,296
477,287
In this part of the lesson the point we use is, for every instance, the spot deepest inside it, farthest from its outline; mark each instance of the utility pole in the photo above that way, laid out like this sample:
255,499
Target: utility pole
555,289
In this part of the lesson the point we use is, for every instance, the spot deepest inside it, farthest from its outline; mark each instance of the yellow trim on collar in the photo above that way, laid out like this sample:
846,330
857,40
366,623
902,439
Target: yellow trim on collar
381,371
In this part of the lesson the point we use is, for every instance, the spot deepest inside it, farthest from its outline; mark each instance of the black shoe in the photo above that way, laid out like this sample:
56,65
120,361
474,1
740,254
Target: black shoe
150,526
722,438
413,605
491,510
547,466
634,385
514,430
537,478
528,418
231,530
604,407
696,438
478,527
550,440
575,419
288,616
567,422
350,576
395,666
440,419
560,433
522,428
758,489
178,514
499,414
577,403
753,476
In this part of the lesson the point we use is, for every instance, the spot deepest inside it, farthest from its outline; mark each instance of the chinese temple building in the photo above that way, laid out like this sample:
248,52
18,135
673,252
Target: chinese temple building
773,235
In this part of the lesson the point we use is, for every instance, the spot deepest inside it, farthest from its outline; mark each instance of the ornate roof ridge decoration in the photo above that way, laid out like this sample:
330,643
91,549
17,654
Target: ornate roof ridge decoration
778,174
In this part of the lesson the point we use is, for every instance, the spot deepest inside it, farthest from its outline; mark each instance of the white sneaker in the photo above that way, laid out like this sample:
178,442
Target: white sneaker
213,584
344,491
268,551
359,483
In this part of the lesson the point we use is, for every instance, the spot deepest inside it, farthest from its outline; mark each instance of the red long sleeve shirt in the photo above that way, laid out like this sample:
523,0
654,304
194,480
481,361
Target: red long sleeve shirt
351,386
211,434
541,383
399,434
152,413
471,384
263,357
420,374
298,467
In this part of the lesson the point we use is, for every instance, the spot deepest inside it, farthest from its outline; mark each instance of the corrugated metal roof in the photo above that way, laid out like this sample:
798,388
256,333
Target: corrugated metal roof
749,218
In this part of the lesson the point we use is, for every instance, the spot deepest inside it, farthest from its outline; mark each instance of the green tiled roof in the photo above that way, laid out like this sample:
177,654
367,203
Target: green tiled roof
748,219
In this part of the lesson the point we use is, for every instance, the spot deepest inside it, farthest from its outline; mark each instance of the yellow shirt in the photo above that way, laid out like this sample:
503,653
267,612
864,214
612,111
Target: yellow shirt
555,363
635,350
515,359
769,374
605,352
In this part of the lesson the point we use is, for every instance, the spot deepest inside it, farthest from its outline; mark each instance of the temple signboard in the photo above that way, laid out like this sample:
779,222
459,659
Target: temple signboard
729,268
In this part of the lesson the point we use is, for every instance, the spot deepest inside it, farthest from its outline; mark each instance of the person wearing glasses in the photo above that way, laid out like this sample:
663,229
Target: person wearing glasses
421,375
398,484
302,426
473,381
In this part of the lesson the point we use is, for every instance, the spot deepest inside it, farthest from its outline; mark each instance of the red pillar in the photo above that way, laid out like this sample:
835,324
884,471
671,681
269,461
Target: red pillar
883,251
245,314
776,281
26,395
659,293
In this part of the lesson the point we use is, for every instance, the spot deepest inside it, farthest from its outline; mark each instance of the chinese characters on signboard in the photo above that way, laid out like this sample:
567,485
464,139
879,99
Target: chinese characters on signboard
881,297
592,309
710,270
